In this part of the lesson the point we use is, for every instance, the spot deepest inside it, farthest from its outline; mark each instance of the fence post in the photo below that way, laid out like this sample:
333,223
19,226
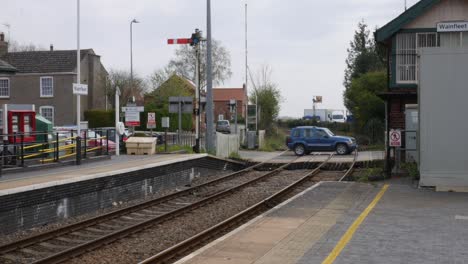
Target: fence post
78,150
56,147
107,140
45,146
85,144
22,150
5,151
15,149
72,141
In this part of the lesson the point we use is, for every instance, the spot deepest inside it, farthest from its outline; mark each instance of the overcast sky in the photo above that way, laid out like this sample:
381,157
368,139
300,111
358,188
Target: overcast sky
304,41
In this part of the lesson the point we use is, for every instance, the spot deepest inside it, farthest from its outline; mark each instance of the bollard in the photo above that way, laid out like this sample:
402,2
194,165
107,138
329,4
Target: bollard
78,150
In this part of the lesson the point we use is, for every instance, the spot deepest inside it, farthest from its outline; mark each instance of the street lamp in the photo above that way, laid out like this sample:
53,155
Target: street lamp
131,54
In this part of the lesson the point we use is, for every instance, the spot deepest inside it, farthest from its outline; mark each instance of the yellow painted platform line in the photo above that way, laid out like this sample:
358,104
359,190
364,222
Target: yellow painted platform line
352,229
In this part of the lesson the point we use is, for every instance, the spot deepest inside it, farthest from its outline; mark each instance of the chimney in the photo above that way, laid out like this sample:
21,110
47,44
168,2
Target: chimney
51,47
3,45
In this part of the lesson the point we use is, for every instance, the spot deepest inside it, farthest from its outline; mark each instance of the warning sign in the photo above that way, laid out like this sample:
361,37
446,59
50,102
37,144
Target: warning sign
395,138
151,120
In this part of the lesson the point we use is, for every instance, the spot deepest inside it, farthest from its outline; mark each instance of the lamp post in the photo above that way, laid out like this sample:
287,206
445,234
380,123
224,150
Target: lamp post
78,69
131,54
209,83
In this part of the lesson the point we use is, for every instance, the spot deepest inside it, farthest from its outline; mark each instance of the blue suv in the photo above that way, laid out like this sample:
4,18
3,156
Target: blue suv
304,140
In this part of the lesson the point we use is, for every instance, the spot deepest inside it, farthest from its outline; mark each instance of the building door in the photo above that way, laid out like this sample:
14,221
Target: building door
411,132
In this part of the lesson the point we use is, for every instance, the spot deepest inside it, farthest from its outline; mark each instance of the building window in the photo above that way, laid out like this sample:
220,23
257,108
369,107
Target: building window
4,88
454,39
47,87
407,46
1,120
47,112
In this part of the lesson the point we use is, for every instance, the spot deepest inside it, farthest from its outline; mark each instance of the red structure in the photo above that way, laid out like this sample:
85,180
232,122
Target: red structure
22,122
222,97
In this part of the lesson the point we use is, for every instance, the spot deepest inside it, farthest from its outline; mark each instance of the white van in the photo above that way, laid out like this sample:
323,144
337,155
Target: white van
338,117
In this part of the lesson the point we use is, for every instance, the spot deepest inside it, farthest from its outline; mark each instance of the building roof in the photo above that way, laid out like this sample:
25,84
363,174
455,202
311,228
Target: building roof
406,17
5,67
44,61
225,94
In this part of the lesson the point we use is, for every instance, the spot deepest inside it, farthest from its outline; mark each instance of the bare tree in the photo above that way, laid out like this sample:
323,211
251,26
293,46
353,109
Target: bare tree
121,79
15,46
268,96
184,63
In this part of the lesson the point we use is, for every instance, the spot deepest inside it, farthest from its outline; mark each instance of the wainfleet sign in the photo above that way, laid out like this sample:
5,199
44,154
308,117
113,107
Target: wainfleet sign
452,26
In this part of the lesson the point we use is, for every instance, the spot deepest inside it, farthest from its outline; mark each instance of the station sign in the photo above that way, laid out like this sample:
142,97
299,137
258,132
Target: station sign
459,26
133,109
132,119
395,138
80,89
151,121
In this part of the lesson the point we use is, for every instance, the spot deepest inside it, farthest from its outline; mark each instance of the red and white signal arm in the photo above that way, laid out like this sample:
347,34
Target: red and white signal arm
395,138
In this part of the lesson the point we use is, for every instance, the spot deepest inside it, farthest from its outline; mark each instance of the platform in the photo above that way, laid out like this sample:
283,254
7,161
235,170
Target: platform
350,223
38,198
18,182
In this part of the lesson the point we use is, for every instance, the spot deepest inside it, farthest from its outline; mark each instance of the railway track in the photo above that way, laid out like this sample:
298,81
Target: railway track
73,240
215,231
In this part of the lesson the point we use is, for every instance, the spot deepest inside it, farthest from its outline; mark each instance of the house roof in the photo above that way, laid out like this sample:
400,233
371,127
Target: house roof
5,67
406,17
225,94
44,61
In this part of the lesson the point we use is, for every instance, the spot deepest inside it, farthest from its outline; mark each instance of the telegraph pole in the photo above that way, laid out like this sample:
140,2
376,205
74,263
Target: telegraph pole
209,83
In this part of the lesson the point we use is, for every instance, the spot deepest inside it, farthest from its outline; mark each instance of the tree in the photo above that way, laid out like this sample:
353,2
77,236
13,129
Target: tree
363,56
15,46
269,98
121,79
363,102
184,63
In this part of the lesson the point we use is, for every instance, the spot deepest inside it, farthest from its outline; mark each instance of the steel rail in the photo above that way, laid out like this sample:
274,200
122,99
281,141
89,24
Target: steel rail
23,243
207,234
119,234
351,168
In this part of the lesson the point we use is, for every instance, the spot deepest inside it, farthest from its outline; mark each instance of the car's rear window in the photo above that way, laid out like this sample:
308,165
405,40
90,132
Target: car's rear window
222,123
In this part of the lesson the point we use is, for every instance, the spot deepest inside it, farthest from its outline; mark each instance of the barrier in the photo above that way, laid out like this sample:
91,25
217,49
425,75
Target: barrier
226,144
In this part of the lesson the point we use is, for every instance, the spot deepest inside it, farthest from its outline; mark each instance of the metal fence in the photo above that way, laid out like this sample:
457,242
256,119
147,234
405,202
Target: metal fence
33,148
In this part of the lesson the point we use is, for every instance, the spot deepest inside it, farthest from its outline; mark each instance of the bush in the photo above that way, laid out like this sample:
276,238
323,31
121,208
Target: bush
99,118
412,169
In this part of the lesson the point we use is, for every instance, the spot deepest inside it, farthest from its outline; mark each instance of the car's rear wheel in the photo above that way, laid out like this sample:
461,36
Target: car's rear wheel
299,150
341,149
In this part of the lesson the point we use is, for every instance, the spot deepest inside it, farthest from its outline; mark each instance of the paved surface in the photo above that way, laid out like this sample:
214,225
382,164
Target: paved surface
42,178
260,156
407,225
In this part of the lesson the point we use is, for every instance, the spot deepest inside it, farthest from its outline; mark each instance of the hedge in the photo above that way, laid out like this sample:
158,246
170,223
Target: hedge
99,118
103,118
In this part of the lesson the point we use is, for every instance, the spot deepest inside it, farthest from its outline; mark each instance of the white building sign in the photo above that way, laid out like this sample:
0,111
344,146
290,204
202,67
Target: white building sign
452,26
81,89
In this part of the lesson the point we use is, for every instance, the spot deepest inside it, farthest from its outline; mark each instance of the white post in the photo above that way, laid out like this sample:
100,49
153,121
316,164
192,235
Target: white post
117,111
78,70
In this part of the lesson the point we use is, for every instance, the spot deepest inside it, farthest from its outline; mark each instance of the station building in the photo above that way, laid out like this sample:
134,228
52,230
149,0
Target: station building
426,44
